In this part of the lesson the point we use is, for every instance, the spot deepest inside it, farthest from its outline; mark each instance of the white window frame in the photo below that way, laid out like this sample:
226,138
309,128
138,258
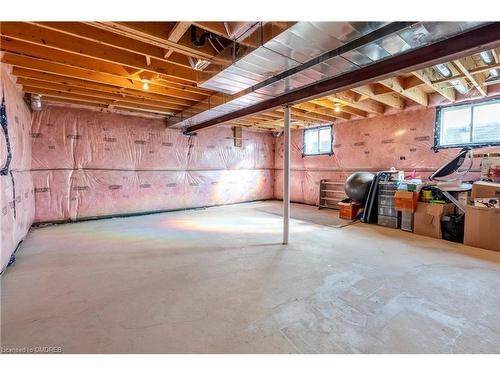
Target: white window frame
317,129
439,118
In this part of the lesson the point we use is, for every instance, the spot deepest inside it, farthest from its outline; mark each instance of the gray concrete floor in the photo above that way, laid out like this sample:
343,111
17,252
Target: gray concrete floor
219,281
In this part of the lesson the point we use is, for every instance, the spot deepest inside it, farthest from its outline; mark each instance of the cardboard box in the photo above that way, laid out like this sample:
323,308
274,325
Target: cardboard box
484,189
427,219
482,227
405,201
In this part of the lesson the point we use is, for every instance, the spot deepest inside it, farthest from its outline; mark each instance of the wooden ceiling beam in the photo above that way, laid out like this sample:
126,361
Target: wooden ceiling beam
59,41
276,124
219,28
412,82
353,111
157,33
415,94
461,67
351,99
184,98
300,114
22,73
262,117
106,38
390,98
93,99
122,96
455,71
274,114
314,108
179,29
41,52
256,123
426,76
496,56
325,102
270,116
474,71
96,99
104,108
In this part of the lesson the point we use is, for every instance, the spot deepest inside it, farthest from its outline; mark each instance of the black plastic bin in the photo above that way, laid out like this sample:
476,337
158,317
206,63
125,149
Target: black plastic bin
452,227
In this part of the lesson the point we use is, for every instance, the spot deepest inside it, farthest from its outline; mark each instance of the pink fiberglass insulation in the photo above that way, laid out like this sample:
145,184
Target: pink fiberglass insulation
403,140
16,187
88,164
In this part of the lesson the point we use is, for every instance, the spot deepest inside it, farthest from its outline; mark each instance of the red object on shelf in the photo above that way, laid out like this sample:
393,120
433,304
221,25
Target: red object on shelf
349,211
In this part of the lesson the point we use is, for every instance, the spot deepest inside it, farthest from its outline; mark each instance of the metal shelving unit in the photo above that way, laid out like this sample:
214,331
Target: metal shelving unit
330,193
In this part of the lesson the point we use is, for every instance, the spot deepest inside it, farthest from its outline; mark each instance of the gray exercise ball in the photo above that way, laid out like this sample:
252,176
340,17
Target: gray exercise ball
358,185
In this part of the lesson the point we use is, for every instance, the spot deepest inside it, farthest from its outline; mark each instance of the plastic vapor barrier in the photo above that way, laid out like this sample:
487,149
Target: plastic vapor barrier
16,187
90,164
403,140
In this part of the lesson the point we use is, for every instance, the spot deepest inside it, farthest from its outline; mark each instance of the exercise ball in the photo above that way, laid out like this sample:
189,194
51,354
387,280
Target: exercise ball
358,185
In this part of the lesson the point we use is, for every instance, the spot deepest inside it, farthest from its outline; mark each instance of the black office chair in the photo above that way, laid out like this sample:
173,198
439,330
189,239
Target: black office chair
456,183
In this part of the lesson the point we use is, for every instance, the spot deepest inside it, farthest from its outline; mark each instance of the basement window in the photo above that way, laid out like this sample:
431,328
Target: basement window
318,141
475,125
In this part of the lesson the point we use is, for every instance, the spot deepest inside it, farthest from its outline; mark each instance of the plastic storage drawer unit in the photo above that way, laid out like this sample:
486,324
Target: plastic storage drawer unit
387,211
407,221
386,200
388,221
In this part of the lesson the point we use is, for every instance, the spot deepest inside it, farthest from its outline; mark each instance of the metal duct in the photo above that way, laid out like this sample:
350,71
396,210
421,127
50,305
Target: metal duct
309,52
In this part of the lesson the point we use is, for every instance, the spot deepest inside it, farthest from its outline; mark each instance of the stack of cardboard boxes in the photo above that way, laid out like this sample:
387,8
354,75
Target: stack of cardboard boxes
428,218
482,216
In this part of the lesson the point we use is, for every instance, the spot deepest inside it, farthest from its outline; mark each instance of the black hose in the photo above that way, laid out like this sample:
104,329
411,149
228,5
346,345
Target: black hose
203,38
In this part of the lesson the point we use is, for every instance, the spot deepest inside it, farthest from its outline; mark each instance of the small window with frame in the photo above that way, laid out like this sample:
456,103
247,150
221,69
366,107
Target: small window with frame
318,141
475,125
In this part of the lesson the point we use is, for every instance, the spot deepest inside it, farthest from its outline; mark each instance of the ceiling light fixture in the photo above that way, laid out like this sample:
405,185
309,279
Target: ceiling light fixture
198,64
145,84
493,78
337,107
444,70
461,88
486,57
